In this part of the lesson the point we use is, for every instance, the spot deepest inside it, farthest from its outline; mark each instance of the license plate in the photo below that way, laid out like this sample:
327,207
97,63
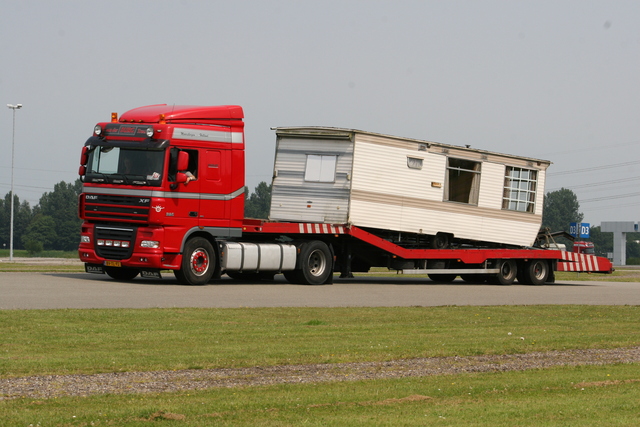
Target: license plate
113,263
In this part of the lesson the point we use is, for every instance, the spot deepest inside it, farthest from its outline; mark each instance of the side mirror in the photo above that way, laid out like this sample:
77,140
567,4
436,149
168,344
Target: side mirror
82,170
181,177
84,157
183,161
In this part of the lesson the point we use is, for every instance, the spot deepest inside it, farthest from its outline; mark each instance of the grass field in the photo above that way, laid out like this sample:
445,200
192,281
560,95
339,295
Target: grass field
37,342
555,397
4,253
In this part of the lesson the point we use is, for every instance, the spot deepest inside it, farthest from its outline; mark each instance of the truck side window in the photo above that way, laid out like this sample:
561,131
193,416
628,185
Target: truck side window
193,163
173,163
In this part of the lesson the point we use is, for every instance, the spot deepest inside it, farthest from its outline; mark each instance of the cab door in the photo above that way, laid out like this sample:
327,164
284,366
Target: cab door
183,205
215,187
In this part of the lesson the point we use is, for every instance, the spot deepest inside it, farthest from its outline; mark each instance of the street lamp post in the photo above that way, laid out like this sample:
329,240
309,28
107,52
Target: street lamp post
13,141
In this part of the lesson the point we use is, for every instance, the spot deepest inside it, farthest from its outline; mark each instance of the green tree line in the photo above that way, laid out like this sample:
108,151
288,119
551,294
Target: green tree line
52,224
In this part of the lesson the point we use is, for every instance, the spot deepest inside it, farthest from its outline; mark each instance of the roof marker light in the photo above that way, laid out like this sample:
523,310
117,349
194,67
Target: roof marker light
97,130
114,117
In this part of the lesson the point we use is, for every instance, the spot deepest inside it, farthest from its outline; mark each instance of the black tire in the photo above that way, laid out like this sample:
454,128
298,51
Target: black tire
536,272
440,241
198,262
442,278
315,263
474,278
508,272
121,273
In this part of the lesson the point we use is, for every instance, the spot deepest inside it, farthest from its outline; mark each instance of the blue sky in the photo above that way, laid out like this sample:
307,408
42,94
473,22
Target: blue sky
556,80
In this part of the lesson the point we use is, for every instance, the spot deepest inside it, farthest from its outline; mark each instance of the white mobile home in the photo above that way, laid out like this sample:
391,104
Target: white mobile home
346,176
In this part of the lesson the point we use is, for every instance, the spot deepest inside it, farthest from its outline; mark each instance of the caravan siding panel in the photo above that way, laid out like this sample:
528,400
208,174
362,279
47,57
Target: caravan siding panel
385,170
473,223
542,177
387,194
293,198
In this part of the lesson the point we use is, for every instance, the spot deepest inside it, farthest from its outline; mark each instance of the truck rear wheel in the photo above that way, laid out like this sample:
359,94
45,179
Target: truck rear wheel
536,272
315,263
198,262
121,273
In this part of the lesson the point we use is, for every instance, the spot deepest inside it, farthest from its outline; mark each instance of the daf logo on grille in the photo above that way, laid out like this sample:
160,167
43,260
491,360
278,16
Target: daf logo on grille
91,197
144,200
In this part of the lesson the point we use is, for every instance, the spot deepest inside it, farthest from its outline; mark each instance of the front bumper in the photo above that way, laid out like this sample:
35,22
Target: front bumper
105,246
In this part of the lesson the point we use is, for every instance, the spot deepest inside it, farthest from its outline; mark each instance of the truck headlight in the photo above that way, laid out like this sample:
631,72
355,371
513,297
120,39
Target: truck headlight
85,239
150,244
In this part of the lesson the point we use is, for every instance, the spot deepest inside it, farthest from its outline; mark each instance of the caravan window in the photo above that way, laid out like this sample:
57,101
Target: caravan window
320,168
463,181
520,189
414,163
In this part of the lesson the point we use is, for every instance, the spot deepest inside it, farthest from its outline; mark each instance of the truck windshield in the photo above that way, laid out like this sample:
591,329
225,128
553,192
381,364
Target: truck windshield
120,165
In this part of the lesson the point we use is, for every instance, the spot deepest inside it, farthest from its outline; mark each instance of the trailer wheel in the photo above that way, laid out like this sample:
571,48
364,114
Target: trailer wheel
508,272
198,262
121,273
316,264
440,241
442,278
536,272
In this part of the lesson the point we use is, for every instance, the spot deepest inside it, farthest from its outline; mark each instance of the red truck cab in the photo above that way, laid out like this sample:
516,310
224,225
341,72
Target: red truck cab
154,179
583,248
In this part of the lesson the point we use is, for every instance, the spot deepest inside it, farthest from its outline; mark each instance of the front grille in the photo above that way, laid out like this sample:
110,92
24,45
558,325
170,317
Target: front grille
116,208
114,234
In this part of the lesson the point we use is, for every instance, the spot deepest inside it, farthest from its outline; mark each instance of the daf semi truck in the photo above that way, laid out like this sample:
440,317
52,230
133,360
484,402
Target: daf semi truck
164,190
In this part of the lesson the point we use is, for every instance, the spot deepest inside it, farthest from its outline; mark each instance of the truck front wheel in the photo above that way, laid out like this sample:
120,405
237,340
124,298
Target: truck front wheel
198,262
315,263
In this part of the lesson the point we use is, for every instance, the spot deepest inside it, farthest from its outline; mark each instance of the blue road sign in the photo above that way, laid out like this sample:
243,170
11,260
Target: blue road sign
581,230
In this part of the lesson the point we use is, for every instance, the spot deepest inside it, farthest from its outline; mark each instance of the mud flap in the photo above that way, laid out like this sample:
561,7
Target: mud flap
94,268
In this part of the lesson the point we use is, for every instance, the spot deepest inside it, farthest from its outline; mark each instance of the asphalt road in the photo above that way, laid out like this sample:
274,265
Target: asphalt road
81,290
